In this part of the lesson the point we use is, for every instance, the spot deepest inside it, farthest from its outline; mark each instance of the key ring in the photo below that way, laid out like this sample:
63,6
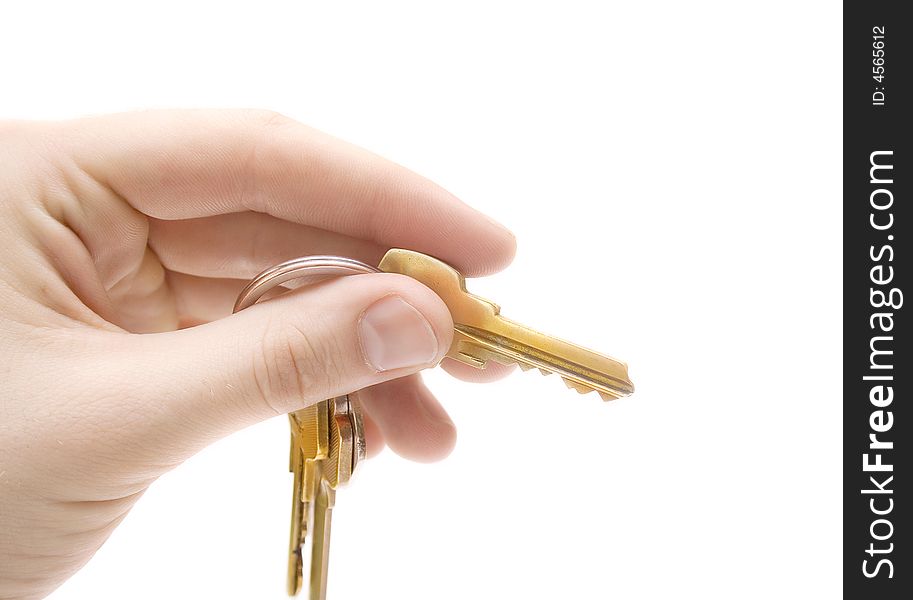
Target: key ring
312,269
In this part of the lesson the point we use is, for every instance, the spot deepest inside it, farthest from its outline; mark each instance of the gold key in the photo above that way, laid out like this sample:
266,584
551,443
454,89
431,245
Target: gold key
327,444
482,334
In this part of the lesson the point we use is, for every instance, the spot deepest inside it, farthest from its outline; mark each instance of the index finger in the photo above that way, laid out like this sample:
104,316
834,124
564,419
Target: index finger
188,164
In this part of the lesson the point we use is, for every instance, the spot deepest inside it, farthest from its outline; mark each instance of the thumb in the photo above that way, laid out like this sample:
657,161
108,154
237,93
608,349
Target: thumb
286,353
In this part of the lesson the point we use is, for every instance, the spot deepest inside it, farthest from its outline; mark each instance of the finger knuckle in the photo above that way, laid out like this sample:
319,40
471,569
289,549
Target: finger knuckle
258,154
269,119
294,367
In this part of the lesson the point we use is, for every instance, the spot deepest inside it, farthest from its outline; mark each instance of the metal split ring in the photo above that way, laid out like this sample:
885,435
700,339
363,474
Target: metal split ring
310,269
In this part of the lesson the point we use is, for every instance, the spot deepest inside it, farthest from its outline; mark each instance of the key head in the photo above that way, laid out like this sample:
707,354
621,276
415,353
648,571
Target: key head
347,440
311,431
447,282
450,285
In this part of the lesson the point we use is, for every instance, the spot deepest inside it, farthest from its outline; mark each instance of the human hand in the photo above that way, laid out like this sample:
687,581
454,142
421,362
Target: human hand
125,241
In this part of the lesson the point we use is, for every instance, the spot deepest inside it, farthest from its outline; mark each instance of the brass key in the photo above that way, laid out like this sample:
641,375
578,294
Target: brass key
327,444
482,334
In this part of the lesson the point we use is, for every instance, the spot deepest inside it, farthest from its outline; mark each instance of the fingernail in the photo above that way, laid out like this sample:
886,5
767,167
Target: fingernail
394,335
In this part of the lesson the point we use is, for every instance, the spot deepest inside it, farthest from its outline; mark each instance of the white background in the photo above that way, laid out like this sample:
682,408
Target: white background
671,170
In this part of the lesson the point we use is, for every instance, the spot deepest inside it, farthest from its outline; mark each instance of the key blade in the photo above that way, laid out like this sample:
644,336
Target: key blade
583,370
298,529
320,540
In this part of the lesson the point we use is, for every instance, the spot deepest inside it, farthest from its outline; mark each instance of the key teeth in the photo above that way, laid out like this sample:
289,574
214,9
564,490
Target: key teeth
580,388
576,386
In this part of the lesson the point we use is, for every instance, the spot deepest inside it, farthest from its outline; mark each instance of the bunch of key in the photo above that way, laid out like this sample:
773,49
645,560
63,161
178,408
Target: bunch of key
327,440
